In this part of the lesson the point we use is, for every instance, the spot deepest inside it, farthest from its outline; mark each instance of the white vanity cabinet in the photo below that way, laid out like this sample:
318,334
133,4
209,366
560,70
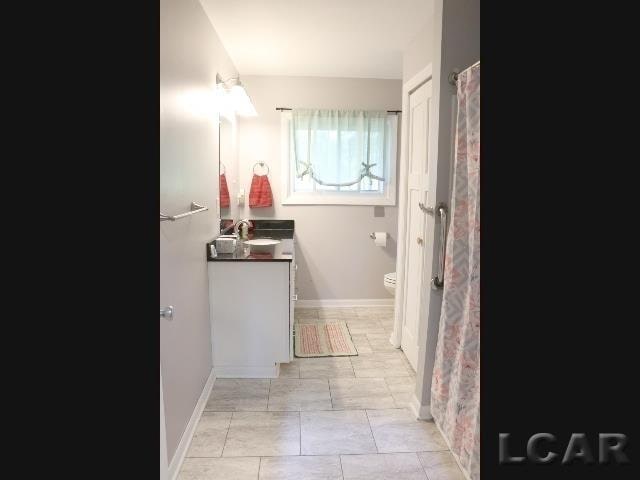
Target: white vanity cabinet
251,314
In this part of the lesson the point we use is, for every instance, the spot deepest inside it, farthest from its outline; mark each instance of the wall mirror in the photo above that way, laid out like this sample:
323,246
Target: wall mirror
225,156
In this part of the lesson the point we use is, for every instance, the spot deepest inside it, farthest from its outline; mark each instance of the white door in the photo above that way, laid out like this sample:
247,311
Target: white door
417,179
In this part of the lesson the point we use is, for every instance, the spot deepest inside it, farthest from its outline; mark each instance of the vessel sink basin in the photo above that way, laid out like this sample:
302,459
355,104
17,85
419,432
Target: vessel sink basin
262,242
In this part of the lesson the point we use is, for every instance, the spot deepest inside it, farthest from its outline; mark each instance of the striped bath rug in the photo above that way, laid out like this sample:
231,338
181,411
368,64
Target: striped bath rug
331,339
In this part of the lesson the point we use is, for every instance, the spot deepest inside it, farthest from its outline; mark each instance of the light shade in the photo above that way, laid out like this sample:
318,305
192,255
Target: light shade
241,102
234,100
224,105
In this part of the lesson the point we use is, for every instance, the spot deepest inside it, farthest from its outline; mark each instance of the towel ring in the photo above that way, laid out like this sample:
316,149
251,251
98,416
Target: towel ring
262,164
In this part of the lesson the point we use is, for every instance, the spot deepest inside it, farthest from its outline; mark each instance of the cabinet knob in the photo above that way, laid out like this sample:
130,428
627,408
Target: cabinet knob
420,241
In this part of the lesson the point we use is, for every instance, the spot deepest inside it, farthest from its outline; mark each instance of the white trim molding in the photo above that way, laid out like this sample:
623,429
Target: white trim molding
422,412
187,435
345,303
257,371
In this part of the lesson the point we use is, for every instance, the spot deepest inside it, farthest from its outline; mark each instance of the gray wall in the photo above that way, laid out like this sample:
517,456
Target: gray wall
419,53
190,56
456,40
336,258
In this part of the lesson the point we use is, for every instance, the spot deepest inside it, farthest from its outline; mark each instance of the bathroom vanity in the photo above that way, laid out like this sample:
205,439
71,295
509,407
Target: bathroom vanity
252,295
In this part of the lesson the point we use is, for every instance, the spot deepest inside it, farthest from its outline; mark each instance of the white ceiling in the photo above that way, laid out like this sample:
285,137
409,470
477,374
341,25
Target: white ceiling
325,38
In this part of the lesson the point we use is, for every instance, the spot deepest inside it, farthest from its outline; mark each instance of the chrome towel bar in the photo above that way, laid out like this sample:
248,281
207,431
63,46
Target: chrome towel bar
195,208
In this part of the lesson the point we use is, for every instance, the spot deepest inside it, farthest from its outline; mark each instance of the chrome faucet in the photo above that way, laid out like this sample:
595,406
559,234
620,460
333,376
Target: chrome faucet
236,227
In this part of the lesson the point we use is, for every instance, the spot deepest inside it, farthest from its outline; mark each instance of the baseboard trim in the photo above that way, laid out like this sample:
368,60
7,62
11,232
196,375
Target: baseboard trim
187,435
422,412
345,303
248,372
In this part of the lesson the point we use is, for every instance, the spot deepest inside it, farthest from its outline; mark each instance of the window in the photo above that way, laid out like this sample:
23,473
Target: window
339,157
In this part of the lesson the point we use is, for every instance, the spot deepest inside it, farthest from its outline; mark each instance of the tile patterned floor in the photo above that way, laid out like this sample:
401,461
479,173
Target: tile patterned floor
331,418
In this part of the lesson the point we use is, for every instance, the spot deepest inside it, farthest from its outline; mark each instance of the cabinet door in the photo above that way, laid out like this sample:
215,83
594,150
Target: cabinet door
293,297
250,313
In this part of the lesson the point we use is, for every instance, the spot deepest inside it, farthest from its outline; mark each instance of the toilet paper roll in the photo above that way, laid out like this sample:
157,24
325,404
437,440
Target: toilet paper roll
380,239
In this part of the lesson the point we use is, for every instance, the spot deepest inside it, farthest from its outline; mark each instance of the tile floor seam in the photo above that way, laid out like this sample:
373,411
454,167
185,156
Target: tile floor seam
317,410
226,435
341,469
371,429
327,454
422,466
424,469
260,465
300,433
330,394
269,391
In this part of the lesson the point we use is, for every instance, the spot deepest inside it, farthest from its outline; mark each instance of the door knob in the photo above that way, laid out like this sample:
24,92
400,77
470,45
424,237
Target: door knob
167,312
420,241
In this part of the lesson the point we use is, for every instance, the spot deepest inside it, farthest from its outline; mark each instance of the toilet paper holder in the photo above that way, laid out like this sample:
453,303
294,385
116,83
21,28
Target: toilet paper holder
380,239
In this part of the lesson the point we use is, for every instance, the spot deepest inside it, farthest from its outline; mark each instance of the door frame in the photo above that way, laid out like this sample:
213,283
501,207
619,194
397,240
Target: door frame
408,88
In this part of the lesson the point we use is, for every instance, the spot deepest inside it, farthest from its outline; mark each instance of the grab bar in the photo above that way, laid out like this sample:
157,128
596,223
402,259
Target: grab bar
438,281
195,208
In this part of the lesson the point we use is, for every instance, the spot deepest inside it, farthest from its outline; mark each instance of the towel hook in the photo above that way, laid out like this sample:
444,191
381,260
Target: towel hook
262,164
223,169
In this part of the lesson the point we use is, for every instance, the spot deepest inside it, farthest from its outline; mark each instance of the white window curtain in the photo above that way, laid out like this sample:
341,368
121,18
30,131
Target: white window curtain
340,147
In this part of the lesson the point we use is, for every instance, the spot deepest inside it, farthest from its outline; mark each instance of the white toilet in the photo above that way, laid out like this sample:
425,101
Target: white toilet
390,282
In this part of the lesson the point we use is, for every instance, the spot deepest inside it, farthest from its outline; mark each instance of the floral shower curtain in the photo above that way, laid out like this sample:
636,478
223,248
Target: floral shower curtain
455,391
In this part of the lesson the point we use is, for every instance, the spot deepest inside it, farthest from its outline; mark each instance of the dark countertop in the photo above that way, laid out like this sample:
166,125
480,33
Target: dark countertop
226,225
282,252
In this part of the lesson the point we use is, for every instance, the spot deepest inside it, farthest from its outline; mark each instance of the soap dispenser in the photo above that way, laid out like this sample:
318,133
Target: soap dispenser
245,231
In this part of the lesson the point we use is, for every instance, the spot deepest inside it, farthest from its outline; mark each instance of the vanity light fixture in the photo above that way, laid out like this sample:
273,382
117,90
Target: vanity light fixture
234,98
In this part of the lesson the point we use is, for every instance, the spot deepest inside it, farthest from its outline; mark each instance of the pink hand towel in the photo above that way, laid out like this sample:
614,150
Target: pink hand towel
225,201
260,193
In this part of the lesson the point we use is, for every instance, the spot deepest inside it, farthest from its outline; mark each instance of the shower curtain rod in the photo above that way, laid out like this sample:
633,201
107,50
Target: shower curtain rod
453,76
280,109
